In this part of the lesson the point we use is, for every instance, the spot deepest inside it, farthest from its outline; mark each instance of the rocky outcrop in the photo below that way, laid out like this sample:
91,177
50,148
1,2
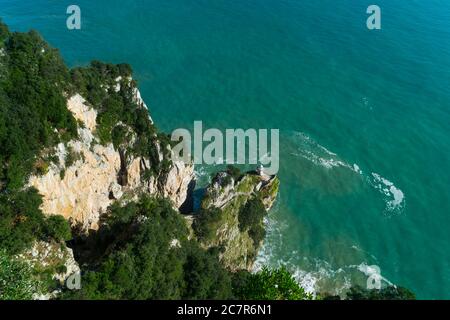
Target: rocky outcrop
229,196
52,259
86,115
87,177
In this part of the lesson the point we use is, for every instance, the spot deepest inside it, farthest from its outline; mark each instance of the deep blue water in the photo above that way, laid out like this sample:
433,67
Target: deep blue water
364,116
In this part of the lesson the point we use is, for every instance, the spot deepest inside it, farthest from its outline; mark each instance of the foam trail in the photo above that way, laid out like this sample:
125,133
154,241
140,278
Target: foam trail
312,151
319,155
310,280
395,198
319,273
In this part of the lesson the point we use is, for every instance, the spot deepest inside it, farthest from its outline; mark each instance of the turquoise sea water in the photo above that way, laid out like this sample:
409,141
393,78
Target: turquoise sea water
364,116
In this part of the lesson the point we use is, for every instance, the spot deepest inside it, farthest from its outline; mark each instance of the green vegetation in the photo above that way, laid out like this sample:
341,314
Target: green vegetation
71,157
4,31
33,118
268,284
22,222
142,249
388,293
232,173
16,279
137,258
251,219
110,90
33,112
206,224
357,292
57,228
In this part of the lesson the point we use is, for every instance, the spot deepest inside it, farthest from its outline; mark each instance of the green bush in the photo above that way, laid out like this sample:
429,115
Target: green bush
57,228
257,233
21,221
251,219
71,157
267,284
234,172
32,104
204,276
4,31
62,174
251,214
16,279
206,223
137,261
388,293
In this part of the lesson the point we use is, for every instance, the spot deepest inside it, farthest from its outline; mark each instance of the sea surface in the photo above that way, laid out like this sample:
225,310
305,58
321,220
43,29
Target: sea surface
364,116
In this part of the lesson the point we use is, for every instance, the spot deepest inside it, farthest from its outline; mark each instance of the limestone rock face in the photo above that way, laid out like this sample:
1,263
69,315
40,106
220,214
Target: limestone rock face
77,105
81,191
177,183
82,188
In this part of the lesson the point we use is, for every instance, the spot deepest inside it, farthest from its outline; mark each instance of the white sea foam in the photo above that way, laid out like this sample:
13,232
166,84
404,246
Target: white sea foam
395,198
312,151
200,172
321,156
318,274
312,279
370,271
306,280
357,169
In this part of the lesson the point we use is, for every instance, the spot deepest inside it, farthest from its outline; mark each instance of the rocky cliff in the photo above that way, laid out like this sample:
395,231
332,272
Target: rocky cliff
228,199
86,177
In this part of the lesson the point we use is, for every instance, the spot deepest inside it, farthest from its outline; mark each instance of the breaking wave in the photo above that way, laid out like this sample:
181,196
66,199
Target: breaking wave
313,275
317,154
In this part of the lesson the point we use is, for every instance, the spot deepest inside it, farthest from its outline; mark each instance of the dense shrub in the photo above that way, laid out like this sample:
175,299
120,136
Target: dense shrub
141,261
234,172
16,279
267,284
204,276
206,223
71,157
4,31
57,228
33,79
387,293
252,213
251,219
22,222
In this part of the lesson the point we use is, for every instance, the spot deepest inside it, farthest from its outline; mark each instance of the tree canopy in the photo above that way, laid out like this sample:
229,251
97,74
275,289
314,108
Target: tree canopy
277,284
145,254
